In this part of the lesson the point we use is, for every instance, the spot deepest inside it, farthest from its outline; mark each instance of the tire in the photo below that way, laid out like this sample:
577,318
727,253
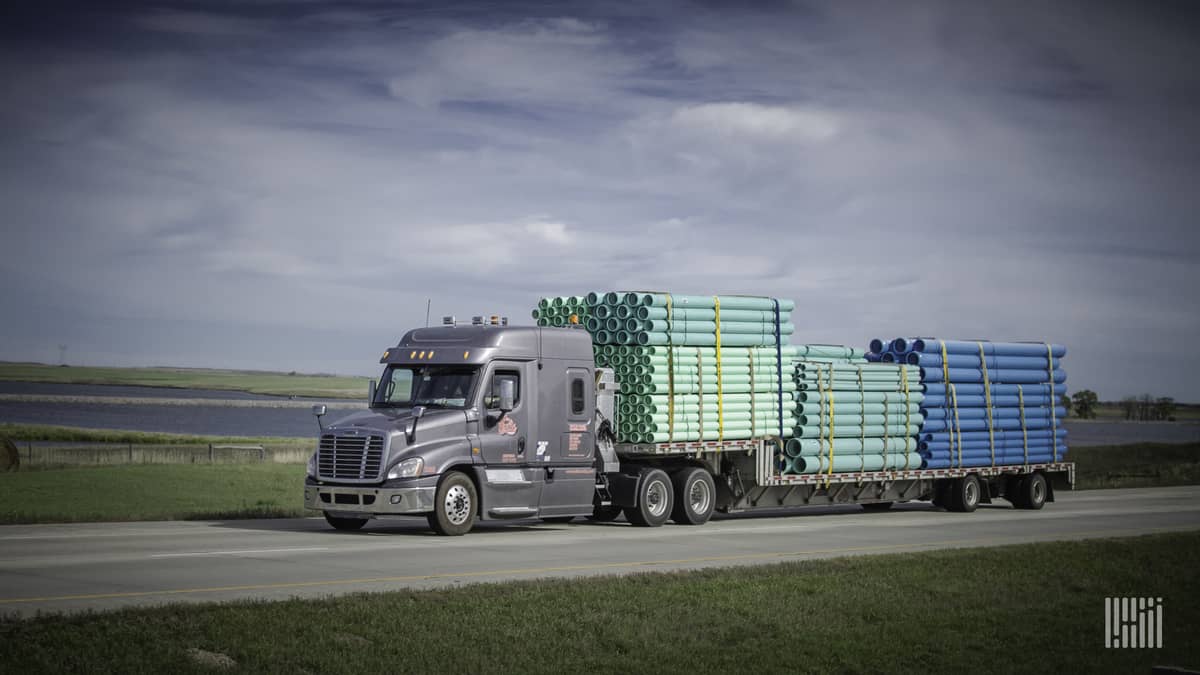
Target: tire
1014,491
345,524
877,506
454,506
654,500
558,520
695,496
964,494
604,514
1032,490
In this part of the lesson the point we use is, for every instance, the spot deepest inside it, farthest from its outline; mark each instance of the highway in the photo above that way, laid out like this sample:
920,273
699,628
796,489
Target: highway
102,566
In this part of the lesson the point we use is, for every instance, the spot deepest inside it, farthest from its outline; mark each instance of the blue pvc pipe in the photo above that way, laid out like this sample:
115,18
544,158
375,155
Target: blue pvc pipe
969,389
972,361
1001,376
939,401
933,346
935,425
996,413
998,434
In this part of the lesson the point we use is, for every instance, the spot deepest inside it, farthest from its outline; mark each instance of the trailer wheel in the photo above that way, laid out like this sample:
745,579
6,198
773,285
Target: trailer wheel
604,514
695,496
454,505
654,500
1031,492
964,494
877,506
345,524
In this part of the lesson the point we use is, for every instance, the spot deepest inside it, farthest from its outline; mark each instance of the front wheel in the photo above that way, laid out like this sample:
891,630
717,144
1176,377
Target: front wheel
345,524
653,500
454,506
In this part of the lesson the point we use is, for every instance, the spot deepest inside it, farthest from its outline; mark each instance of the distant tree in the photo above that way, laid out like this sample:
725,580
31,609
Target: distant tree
1146,408
1129,405
1085,402
1164,409
1065,401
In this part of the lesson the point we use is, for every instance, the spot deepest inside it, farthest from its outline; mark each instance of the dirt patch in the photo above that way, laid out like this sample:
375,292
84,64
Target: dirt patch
211,659
10,457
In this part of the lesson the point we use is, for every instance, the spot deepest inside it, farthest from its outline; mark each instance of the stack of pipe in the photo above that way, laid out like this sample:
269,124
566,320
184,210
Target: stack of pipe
691,368
853,415
986,403
558,311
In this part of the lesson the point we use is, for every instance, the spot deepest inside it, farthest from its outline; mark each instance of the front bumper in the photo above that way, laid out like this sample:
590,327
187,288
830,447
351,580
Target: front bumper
371,501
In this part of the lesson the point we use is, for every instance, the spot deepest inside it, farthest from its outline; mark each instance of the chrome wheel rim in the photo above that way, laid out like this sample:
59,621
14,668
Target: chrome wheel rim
656,498
971,493
699,497
1039,491
458,505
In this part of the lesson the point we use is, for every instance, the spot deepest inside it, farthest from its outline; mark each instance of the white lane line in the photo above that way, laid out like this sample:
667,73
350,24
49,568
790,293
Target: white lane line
240,552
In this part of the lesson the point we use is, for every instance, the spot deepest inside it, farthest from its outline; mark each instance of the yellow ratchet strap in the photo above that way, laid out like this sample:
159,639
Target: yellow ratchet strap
1053,401
957,426
907,415
987,395
700,389
1024,433
829,384
753,415
670,377
720,391
862,423
947,385
824,410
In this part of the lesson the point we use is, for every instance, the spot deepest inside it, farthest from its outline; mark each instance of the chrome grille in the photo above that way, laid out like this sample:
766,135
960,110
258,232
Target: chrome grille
345,457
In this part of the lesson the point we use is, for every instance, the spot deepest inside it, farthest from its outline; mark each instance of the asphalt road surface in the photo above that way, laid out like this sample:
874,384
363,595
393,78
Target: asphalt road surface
71,568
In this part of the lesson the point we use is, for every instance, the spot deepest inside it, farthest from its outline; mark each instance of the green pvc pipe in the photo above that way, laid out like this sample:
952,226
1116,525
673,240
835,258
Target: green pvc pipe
707,301
851,463
877,387
703,314
711,352
702,340
727,327
892,409
859,419
840,431
839,397
811,447
830,351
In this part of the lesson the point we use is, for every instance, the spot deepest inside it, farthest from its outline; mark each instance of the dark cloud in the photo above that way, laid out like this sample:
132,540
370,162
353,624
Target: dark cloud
300,177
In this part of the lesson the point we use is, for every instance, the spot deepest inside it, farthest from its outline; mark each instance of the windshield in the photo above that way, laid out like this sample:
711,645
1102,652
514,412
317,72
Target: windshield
437,386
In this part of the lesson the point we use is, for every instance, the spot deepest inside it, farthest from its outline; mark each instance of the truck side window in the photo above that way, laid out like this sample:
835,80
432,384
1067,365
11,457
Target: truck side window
491,400
577,397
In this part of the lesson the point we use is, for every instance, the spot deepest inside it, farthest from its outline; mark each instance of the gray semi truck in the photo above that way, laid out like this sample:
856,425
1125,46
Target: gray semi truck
495,422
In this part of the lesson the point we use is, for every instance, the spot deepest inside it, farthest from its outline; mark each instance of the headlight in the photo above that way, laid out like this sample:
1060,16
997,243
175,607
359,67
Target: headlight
407,469
312,465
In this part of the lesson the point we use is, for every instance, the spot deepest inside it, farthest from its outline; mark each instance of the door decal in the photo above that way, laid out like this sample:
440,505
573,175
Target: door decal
506,426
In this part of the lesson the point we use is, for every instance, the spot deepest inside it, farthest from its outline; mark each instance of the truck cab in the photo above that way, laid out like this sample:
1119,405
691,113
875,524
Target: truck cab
483,421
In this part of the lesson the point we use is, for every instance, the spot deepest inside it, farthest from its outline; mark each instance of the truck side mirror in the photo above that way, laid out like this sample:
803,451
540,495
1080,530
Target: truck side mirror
319,412
371,386
507,394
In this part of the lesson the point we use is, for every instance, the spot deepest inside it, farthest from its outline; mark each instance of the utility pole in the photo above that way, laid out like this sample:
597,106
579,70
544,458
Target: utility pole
62,355
428,301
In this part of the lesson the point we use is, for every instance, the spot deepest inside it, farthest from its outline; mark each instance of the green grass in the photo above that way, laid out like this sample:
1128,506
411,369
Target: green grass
152,492
258,382
1019,609
1136,465
48,432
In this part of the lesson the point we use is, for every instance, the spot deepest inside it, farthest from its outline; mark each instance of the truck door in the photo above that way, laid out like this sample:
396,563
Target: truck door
566,455
511,489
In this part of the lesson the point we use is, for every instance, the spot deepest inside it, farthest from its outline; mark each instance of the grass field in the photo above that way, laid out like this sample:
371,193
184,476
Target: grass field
1136,465
152,492
1018,609
48,432
257,382
182,491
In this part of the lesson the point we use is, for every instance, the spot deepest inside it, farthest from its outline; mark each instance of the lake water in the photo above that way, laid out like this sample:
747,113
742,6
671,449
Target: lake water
218,420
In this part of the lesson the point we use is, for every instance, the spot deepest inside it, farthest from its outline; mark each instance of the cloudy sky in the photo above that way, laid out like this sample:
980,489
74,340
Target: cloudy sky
283,185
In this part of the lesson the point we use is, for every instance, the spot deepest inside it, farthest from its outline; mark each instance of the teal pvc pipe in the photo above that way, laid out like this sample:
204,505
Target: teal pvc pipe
845,431
866,462
811,447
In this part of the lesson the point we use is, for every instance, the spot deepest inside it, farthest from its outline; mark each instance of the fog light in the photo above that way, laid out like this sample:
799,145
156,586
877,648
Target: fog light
396,499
